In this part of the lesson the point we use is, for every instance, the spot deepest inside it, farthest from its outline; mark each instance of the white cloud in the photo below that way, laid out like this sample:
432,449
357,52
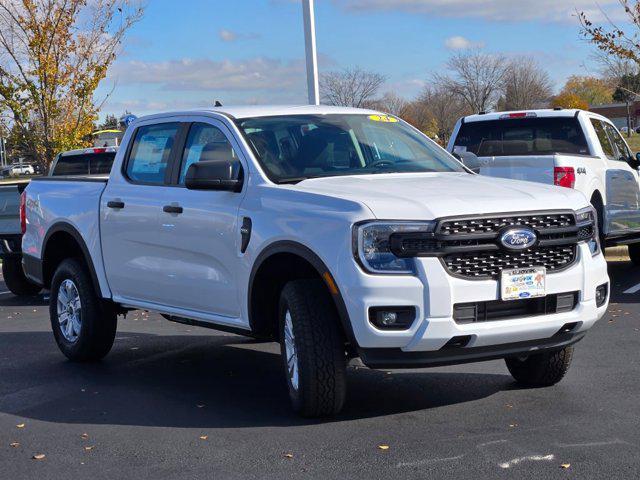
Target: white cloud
259,73
227,35
461,43
497,10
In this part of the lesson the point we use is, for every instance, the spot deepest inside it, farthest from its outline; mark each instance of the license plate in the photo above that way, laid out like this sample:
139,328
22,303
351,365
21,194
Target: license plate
521,283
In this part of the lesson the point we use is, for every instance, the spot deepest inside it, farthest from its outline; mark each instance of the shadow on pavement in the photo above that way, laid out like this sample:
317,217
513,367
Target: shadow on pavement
201,381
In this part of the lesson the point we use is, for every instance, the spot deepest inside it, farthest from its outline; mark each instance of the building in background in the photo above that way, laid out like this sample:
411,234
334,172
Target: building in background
617,113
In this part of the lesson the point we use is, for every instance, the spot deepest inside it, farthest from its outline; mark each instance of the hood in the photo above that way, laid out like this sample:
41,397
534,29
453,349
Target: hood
426,196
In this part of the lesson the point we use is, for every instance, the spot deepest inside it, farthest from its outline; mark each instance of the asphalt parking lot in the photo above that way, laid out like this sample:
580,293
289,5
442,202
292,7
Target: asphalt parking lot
173,401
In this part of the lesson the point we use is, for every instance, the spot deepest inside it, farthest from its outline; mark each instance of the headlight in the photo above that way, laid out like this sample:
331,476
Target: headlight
587,223
372,245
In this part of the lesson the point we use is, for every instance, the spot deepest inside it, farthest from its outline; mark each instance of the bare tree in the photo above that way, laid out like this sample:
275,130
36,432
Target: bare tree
475,77
526,84
352,87
436,111
390,103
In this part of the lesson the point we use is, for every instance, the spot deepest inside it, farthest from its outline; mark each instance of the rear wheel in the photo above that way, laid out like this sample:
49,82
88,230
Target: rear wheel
634,253
541,369
15,279
84,326
313,349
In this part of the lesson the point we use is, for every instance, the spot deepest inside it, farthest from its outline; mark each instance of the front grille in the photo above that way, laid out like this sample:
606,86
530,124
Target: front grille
474,226
490,264
504,310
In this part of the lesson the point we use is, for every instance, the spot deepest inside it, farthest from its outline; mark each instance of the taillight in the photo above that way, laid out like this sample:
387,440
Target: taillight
23,212
564,177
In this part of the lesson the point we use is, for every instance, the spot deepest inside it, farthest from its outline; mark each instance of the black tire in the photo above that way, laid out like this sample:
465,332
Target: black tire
320,348
98,318
15,279
634,253
542,369
596,202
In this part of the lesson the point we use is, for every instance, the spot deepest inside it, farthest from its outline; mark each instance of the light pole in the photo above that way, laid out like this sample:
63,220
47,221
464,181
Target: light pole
308,17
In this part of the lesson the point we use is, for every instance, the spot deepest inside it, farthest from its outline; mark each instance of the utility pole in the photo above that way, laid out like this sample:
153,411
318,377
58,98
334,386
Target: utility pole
309,19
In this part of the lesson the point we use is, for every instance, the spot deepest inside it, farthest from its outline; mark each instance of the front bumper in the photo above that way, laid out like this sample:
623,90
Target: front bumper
434,292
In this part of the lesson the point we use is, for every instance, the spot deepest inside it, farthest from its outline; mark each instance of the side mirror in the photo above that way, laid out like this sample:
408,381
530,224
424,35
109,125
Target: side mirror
215,175
471,161
634,162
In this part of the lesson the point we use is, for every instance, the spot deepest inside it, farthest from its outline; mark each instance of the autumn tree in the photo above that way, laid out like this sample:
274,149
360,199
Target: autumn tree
591,90
53,55
352,87
569,100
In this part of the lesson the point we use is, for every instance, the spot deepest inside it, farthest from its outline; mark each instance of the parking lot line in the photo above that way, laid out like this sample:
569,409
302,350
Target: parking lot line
633,289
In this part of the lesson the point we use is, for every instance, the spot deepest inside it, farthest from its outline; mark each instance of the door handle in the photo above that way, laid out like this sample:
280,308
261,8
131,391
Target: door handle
172,209
115,204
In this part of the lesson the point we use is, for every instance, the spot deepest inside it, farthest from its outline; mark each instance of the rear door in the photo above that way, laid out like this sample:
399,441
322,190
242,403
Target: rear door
135,259
521,147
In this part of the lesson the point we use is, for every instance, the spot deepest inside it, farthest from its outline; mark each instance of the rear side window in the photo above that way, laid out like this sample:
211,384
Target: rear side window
84,164
150,153
204,143
525,136
603,138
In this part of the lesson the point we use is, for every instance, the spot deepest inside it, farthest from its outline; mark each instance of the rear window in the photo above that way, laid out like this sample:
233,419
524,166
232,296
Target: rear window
84,164
526,136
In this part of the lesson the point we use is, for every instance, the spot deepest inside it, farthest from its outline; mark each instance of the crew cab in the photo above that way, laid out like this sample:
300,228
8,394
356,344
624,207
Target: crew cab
569,148
338,232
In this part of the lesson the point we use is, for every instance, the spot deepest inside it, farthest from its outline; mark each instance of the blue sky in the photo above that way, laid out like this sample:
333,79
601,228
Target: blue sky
187,54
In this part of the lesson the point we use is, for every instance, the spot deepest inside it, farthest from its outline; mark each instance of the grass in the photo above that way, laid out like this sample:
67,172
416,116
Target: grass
634,142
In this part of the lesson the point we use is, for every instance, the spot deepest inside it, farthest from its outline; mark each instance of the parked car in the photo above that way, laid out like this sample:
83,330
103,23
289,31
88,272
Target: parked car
339,232
89,161
569,148
17,170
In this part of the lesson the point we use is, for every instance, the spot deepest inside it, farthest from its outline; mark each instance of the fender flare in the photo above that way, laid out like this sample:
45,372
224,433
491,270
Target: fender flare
295,248
86,256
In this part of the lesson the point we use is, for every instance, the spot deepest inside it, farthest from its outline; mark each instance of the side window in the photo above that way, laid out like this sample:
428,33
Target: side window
618,141
606,144
150,153
204,143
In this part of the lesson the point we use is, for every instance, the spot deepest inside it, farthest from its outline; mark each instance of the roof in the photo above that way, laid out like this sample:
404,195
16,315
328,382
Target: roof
246,111
547,112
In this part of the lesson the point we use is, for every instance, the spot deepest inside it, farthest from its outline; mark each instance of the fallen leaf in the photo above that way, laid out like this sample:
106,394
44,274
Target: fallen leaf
88,449
512,425
85,435
383,447
15,444
565,465
508,405
204,437
20,425
39,456
288,455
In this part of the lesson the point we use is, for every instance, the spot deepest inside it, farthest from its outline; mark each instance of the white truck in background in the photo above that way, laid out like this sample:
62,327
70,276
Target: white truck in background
338,232
568,148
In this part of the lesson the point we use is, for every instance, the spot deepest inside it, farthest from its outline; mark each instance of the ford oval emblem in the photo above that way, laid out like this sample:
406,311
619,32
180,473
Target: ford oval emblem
518,238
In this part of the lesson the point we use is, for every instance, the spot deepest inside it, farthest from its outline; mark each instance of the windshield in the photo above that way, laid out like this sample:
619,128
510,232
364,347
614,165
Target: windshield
295,147
526,136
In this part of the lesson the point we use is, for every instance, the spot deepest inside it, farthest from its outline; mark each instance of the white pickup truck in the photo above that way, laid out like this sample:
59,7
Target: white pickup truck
340,232
569,148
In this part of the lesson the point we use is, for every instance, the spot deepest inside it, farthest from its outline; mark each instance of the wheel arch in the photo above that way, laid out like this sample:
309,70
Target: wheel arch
285,252
63,241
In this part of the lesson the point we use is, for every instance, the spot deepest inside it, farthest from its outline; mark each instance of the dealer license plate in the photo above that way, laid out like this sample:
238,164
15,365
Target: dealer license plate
521,283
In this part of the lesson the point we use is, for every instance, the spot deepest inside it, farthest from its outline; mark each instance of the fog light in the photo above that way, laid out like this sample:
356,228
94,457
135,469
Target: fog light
601,294
392,318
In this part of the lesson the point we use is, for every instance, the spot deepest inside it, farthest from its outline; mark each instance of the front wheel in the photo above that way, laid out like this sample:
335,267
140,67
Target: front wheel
84,326
313,349
541,369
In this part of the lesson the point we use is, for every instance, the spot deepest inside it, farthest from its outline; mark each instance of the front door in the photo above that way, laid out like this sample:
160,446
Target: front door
200,230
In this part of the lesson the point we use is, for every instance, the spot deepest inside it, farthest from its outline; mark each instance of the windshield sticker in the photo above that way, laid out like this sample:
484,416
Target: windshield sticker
383,118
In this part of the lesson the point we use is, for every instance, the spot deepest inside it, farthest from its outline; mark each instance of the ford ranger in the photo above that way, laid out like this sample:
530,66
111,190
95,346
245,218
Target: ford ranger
569,148
339,232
